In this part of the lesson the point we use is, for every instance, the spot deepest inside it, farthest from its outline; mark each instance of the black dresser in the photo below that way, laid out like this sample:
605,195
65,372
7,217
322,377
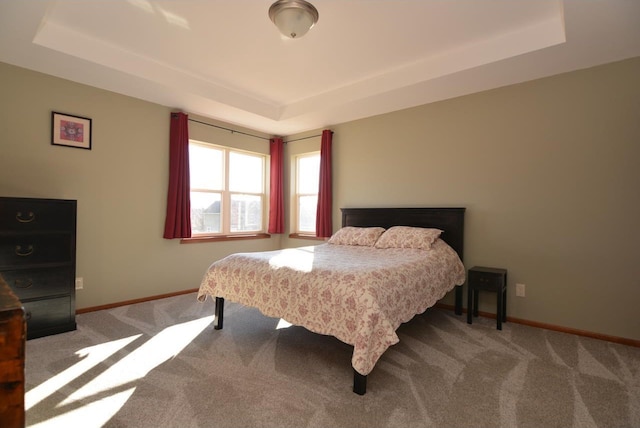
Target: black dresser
38,260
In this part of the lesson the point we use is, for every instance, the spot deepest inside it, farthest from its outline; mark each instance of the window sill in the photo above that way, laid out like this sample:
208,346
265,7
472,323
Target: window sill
219,238
306,236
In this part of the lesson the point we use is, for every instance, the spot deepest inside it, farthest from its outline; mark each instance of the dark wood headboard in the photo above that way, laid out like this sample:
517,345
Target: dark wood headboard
450,220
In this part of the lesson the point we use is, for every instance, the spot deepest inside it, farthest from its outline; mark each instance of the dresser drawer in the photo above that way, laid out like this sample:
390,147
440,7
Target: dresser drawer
29,250
25,214
37,283
486,280
48,314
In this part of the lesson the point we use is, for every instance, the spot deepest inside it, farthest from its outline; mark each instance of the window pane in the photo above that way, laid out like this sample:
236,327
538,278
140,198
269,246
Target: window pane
227,190
245,173
307,207
205,212
309,174
246,213
206,167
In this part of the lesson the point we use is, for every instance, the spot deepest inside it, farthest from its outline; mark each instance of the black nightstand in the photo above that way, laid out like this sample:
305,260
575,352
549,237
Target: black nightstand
487,279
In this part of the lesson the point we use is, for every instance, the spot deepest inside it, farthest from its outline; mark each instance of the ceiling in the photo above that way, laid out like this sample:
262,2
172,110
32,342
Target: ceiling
224,59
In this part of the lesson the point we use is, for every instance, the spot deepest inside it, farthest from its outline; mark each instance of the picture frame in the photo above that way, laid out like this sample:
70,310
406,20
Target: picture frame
70,130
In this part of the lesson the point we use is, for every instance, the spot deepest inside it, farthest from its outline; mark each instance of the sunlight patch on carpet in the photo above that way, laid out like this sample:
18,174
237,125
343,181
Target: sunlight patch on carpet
98,412
283,324
104,395
91,357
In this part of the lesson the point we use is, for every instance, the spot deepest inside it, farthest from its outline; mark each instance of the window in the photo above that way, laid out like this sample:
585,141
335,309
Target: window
227,190
306,196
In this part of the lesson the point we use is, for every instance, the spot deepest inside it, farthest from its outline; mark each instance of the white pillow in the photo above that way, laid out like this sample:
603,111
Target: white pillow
350,235
408,237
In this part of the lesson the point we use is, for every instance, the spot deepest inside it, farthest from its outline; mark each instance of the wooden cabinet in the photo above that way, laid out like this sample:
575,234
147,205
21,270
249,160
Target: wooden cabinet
12,353
38,260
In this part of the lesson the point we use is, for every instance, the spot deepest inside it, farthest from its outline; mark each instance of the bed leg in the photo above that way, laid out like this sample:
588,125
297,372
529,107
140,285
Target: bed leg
458,309
218,314
359,383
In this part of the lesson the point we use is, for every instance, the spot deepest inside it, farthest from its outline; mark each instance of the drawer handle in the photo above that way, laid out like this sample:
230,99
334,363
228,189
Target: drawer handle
28,219
24,253
27,315
23,283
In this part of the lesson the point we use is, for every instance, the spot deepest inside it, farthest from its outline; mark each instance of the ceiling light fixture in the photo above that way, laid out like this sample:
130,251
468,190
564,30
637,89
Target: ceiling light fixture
293,17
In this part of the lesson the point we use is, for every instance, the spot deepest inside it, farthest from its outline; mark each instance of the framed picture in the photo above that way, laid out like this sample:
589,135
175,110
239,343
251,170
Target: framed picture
70,131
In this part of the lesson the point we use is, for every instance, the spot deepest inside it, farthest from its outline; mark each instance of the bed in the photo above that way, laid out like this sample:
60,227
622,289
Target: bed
350,287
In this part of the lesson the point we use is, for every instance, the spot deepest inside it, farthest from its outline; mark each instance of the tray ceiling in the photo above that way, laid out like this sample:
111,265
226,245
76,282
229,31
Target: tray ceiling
226,60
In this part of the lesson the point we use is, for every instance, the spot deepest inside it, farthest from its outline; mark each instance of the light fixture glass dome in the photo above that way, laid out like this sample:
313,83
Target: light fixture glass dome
294,18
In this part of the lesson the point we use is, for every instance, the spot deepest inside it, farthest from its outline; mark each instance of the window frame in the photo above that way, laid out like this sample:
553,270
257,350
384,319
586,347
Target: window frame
297,232
226,197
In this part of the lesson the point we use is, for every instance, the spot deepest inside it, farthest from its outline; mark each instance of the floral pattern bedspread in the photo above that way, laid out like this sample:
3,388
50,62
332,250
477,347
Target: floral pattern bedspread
359,295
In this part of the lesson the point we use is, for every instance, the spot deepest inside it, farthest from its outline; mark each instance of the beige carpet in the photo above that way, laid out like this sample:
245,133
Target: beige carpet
161,364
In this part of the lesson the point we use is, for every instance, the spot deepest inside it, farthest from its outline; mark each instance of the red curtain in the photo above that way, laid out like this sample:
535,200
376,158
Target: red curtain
324,228
178,220
276,201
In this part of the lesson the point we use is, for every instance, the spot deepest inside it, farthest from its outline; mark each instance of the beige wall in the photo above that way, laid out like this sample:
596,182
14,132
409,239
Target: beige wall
546,169
120,185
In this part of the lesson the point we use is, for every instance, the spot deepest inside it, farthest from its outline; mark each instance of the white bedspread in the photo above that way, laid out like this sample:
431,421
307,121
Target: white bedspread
359,295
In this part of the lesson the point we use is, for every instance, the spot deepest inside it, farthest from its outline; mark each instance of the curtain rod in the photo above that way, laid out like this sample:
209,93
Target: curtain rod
303,138
251,135
230,130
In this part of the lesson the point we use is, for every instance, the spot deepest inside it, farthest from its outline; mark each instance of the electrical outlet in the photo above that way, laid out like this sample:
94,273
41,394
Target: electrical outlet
79,283
520,290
